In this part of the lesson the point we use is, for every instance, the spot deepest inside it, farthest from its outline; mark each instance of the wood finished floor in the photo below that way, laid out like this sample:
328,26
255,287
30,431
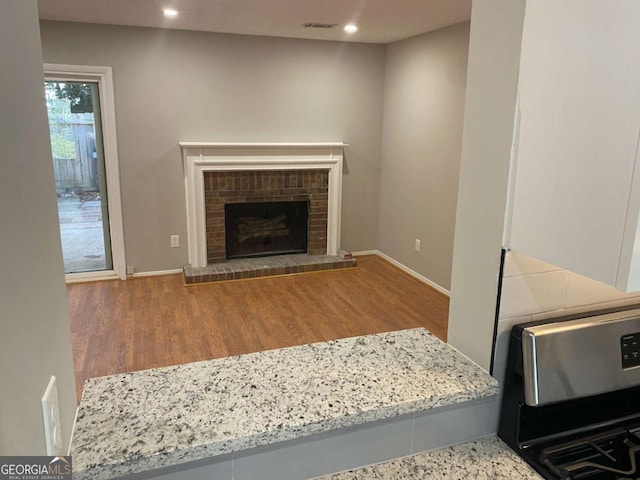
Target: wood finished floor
123,326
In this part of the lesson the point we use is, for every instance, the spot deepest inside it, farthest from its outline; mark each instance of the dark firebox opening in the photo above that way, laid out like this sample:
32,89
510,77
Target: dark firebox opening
263,229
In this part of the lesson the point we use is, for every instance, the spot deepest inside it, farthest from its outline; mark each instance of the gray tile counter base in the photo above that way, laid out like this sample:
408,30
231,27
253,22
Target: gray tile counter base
347,448
291,413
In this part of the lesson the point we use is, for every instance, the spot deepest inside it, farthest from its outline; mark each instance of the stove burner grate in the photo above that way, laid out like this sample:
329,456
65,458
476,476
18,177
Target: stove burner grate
610,455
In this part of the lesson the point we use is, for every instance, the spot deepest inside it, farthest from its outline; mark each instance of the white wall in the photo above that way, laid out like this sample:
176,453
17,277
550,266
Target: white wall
34,335
173,85
421,143
534,290
494,55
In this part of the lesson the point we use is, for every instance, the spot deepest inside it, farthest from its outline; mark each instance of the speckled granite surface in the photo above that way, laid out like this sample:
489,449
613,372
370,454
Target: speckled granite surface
145,420
484,459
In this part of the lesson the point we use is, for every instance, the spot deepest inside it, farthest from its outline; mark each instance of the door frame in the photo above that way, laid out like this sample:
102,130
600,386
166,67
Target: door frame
104,77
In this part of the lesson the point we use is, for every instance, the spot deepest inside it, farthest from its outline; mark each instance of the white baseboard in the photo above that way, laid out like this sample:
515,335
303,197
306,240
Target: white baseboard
157,273
405,269
365,252
91,276
111,275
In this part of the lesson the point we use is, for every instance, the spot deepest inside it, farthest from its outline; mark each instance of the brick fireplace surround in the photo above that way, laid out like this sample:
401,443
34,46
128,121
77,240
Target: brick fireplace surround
221,188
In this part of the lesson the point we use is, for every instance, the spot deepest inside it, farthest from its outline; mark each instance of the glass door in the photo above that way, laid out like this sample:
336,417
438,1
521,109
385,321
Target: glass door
79,170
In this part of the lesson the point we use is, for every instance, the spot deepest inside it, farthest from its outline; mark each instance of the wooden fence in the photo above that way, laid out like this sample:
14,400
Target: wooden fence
81,171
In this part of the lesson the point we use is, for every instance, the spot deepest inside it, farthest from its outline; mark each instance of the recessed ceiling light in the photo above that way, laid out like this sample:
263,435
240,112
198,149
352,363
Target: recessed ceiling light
168,12
350,28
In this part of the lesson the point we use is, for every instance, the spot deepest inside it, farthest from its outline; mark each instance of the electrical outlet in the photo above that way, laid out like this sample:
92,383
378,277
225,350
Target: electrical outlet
417,246
175,241
51,418
131,269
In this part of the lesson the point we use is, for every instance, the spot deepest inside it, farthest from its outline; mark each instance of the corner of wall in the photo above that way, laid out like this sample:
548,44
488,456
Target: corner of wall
421,140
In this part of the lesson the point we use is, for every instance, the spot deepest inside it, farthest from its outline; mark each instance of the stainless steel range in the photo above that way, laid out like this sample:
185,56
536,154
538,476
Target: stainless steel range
571,401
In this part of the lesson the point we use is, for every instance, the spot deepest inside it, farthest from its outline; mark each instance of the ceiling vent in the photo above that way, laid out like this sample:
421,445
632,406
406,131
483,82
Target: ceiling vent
320,25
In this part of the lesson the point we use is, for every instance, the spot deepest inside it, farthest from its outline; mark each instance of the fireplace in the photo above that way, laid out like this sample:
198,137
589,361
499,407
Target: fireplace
266,228
226,191
217,174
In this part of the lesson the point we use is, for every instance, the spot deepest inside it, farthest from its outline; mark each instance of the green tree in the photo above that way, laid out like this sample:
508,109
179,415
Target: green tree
59,112
79,94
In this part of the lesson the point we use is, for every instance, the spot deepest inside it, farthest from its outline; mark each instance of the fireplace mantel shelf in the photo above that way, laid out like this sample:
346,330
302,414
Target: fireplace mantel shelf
262,145
201,157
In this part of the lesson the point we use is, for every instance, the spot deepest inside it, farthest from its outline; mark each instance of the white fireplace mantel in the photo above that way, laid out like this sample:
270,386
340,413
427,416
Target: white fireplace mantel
200,157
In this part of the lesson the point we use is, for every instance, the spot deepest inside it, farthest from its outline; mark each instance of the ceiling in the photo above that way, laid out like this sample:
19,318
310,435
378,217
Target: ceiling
379,21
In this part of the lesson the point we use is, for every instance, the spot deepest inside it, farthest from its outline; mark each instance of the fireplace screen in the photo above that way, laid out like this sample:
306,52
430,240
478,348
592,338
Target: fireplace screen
270,228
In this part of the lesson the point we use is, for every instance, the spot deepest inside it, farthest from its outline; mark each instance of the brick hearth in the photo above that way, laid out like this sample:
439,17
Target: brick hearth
243,268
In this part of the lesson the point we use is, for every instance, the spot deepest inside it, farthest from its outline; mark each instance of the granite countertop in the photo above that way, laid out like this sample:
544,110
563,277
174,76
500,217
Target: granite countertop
145,420
484,459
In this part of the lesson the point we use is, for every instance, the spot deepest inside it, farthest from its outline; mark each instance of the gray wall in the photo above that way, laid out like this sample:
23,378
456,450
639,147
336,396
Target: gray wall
494,58
422,137
34,334
172,86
